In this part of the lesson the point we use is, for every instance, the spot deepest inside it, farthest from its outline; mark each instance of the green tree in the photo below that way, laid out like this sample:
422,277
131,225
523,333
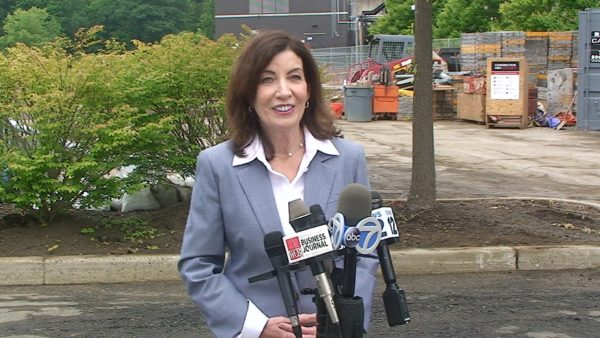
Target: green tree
147,20
542,15
203,16
72,14
466,16
32,27
126,20
400,17
6,7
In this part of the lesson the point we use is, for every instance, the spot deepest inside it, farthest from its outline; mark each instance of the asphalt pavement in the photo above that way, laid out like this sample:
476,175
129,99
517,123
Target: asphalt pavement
471,162
535,304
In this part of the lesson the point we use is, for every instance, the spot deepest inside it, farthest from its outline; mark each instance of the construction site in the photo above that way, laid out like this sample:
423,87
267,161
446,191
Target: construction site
505,79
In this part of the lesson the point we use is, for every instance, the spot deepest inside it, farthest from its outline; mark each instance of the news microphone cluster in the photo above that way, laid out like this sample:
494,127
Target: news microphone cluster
361,225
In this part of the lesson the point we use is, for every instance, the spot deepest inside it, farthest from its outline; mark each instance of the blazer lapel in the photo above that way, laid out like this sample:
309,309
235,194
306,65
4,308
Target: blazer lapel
319,181
256,184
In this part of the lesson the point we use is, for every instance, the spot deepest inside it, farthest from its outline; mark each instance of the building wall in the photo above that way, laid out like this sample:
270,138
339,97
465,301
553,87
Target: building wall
319,28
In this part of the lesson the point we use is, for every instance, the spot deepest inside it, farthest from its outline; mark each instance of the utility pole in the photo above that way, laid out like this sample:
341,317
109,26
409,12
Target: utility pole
422,192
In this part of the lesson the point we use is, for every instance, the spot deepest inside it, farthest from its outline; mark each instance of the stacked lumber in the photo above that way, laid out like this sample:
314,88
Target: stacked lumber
542,50
562,51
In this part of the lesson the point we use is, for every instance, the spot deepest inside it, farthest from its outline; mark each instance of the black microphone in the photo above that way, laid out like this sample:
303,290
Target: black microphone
276,252
354,204
394,299
302,219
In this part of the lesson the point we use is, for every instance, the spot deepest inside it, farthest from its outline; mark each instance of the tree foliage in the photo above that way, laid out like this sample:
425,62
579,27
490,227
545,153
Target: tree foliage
126,20
453,17
183,80
466,16
400,17
70,118
32,27
542,15
6,7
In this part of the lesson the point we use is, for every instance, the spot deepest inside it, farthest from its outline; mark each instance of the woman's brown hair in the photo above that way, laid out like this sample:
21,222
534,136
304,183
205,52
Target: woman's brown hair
257,54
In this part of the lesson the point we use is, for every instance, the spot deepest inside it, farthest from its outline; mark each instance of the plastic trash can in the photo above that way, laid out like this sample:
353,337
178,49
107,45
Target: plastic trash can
358,103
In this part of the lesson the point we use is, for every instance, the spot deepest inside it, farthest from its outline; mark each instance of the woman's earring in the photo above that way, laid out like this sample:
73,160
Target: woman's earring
250,109
306,104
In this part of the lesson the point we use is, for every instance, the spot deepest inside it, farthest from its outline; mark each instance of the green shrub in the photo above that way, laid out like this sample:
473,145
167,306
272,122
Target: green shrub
69,117
64,131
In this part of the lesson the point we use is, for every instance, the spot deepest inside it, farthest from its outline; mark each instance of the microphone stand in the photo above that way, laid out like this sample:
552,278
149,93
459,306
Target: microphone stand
350,308
394,298
325,328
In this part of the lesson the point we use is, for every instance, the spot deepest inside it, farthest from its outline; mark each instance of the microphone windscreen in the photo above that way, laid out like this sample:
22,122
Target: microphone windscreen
274,243
376,200
354,203
297,209
317,215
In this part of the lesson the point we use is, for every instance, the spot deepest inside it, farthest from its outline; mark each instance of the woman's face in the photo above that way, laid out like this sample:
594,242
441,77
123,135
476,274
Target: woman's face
282,93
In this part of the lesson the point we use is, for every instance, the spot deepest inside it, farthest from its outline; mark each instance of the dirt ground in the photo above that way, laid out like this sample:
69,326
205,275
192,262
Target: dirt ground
449,224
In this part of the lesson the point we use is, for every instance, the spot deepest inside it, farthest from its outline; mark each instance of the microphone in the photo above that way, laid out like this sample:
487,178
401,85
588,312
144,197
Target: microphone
354,205
303,220
276,252
394,299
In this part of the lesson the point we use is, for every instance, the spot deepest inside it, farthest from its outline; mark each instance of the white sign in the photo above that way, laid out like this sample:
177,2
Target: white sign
385,216
504,87
307,244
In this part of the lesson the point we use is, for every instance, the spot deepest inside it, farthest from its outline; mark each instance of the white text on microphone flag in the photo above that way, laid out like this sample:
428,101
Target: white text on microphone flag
385,216
307,244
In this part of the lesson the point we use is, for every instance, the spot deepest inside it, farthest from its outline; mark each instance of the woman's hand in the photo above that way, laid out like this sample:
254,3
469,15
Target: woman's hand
281,327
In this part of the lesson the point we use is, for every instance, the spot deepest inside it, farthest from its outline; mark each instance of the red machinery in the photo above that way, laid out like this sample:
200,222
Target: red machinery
393,52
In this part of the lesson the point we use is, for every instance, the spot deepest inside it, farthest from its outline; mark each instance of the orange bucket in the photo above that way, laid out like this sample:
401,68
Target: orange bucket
337,108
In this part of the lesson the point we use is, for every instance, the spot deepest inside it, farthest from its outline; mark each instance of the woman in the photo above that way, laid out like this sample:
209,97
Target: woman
283,146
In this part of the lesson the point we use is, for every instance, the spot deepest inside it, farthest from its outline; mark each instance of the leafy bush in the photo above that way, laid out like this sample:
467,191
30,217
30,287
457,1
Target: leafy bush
183,82
64,131
70,117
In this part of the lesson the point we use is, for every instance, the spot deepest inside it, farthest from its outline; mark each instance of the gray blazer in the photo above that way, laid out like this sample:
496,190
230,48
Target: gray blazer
234,207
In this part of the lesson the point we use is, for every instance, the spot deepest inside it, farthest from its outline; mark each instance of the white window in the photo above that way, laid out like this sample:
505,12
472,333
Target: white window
269,6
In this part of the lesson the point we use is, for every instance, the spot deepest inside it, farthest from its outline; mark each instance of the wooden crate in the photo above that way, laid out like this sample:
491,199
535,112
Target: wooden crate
507,93
471,106
443,109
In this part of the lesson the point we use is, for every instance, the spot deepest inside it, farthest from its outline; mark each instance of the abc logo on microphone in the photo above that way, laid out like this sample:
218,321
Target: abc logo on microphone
365,236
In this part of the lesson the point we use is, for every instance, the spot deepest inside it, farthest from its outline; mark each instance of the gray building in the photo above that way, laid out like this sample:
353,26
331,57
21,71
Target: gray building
320,23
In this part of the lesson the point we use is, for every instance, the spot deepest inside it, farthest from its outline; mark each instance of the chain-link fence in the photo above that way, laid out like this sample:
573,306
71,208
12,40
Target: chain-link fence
335,62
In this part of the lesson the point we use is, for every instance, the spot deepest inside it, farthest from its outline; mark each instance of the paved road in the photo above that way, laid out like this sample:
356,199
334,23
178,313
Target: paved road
472,161
559,304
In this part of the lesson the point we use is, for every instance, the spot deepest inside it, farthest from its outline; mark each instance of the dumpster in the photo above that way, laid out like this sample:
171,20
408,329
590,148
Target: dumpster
588,74
358,103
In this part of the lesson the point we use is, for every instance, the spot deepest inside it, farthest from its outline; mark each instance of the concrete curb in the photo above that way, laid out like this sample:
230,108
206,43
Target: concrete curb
554,258
131,268
87,269
450,260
